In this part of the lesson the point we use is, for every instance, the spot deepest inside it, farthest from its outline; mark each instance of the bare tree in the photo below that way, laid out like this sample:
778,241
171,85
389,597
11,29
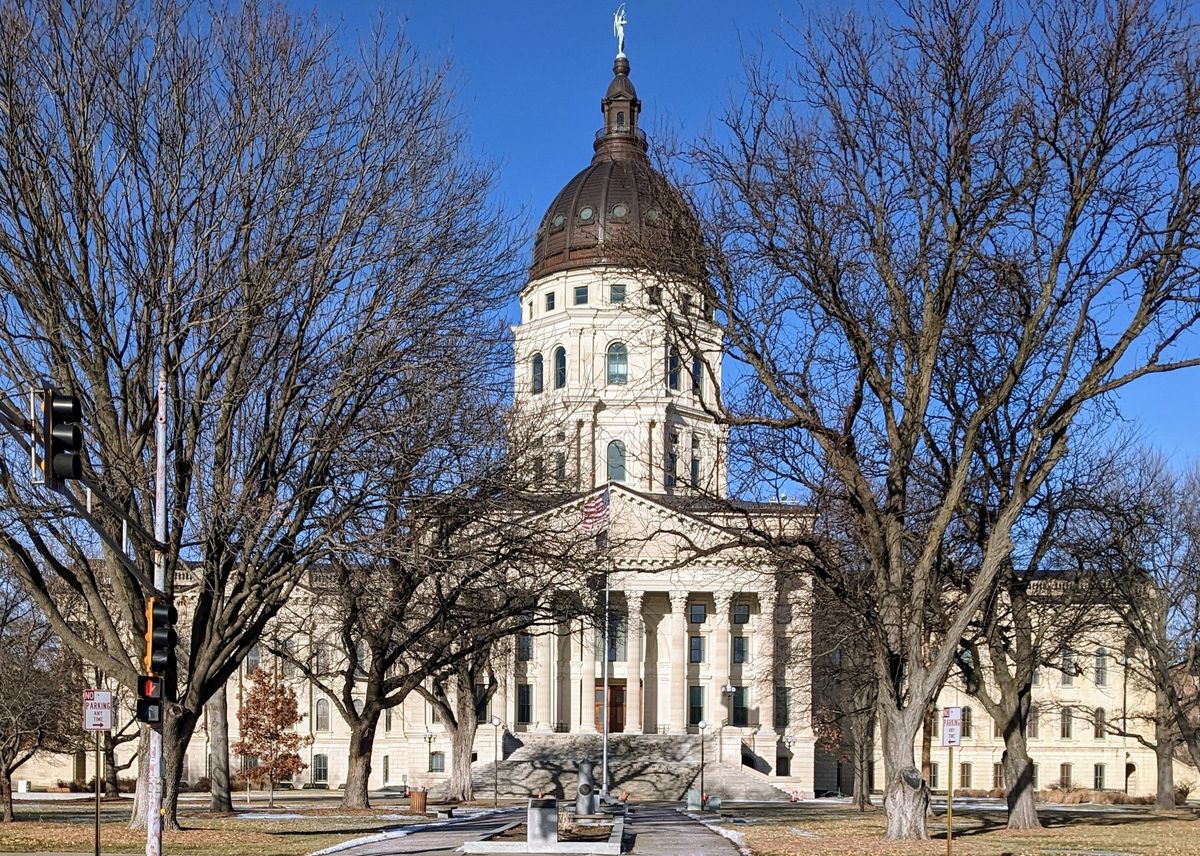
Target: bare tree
986,190
39,689
461,694
288,231
1141,549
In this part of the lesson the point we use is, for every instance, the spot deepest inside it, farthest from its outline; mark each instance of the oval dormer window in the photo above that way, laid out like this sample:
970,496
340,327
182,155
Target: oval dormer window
620,211
557,222
653,215
586,214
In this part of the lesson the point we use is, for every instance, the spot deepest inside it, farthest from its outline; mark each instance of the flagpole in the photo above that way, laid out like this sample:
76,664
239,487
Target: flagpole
604,751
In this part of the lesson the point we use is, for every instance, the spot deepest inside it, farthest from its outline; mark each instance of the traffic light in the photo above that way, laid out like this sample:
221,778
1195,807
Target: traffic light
62,438
150,699
160,635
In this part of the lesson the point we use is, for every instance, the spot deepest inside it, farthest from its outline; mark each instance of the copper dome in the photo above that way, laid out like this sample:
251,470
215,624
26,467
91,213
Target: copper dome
618,195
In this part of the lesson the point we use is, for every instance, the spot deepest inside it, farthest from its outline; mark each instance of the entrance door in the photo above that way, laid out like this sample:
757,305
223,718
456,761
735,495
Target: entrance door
616,706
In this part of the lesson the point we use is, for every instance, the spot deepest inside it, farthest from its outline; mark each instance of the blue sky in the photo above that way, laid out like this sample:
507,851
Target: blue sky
531,72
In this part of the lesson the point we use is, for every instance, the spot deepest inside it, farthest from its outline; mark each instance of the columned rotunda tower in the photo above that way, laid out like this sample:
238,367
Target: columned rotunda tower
622,399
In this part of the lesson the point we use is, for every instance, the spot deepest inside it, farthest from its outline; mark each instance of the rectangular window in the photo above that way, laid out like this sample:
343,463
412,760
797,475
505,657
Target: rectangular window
1032,725
529,312
524,648
696,613
1068,668
1065,724
1099,723
964,775
783,707
686,303
741,613
385,769
696,649
741,707
581,295
695,472
933,776
998,776
934,723
560,466
437,762
741,649
616,294
549,301
524,704
695,705
1036,679
697,374
1035,777
966,722
1064,775
783,765
1098,777
320,769
617,646
387,720
655,293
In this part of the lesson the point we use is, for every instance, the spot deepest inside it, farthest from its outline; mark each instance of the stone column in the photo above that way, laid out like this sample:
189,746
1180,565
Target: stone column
585,720
633,663
765,637
543,693
719,704
678,652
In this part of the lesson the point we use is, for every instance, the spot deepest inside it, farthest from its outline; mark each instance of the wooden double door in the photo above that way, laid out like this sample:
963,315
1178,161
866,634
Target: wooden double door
616,706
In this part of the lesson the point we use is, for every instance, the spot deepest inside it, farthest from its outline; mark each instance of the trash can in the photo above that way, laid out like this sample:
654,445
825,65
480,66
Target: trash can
418,801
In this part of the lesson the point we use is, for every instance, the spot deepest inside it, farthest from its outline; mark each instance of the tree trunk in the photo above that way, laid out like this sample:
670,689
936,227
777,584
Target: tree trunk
1018,780
137,818
906,794
462,742
112,776
1164,752
6,795
219,789
358,776
177,733
863,746
270,792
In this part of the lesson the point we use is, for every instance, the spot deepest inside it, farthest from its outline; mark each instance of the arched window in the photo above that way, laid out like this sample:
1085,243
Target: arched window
621,120
616,461
560,367
674,365
966,722
535,382
1099,724
1101,667
322,714
618,363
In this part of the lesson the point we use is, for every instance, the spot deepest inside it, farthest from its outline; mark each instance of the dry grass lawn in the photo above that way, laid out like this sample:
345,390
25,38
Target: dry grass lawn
205,833
844,832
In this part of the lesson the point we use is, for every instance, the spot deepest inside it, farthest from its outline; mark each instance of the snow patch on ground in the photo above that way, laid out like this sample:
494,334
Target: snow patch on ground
268,815
714,823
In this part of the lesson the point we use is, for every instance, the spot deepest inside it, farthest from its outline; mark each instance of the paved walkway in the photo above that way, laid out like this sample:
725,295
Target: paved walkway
650,830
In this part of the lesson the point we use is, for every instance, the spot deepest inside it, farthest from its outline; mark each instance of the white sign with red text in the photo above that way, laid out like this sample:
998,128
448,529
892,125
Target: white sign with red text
951,726
97,710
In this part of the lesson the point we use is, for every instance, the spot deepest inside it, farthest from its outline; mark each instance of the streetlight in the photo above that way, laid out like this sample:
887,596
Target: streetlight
702,725
495,761
429,750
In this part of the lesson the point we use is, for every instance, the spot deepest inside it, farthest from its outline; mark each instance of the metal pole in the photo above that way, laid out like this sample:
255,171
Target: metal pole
495,763
701,769
604,750
949,800
97,793
154,795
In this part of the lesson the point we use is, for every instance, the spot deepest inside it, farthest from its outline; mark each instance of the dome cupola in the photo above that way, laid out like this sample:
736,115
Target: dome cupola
619,193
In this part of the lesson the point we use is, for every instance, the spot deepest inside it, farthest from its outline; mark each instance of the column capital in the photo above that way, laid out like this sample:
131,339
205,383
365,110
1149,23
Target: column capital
679,600
724,600
633,600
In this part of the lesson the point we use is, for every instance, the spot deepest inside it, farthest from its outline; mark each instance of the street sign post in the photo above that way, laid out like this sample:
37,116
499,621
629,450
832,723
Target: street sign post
97,717
951,737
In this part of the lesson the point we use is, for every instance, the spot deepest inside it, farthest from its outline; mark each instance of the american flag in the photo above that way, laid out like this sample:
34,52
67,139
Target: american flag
595,513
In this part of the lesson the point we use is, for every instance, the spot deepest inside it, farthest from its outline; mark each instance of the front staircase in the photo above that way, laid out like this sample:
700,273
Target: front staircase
645,766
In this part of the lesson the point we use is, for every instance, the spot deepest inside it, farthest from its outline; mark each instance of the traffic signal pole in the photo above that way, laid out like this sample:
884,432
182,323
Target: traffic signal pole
155,785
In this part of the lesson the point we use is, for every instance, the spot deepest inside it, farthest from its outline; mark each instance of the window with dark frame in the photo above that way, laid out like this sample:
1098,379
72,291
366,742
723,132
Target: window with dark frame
697,613
696,649
1066,723
741,649
741,707
524,704
616,294
581,295
741,613
549,301
695,705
